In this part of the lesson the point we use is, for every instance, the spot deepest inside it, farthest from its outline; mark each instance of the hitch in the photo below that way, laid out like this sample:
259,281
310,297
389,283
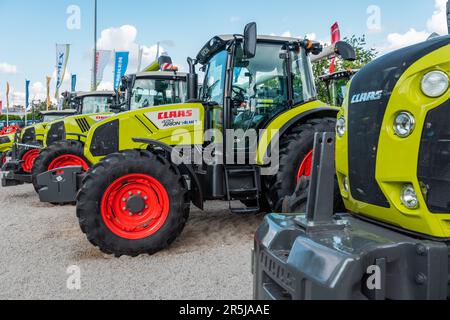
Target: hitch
60,185
319,208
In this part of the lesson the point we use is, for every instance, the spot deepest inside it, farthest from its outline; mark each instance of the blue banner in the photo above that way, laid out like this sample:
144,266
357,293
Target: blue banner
120,68
27,94
74,83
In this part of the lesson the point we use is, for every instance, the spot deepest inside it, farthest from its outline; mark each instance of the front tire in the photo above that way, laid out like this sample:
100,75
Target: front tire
295,161
133,203
58,155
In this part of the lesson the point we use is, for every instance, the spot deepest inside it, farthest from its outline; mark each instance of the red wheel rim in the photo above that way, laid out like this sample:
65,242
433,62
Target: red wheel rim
135,206
305,166
28,160
68,160
3,159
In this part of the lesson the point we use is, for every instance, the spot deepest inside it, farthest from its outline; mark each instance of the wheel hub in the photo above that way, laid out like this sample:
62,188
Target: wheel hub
135,204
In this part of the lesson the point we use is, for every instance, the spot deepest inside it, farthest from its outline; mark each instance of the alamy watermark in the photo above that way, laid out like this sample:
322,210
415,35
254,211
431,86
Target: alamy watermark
73,21
236,147
74,280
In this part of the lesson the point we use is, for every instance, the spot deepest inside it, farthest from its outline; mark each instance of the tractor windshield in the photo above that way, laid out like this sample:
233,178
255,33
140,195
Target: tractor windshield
98,104
156,92
51,118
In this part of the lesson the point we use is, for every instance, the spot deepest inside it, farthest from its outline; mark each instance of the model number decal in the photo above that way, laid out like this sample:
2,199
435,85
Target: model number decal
101,118
174,118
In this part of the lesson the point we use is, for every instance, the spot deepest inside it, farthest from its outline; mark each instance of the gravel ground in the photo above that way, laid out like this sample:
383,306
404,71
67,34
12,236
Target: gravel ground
38,242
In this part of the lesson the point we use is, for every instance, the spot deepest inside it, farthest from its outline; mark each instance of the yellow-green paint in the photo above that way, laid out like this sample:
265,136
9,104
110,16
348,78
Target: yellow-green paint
4,147
137,124
397,158
72,128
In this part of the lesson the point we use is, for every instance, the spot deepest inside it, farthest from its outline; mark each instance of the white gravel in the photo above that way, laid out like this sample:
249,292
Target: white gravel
38,242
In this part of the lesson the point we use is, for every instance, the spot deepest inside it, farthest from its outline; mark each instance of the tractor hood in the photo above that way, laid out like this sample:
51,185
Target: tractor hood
377,161
170,125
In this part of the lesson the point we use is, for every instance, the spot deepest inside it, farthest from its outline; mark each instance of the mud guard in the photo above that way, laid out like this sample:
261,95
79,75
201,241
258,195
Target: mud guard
196,189
60,185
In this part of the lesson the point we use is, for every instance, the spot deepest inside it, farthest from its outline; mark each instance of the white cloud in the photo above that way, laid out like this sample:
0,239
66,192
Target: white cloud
437,23
397,40
8,68
124,39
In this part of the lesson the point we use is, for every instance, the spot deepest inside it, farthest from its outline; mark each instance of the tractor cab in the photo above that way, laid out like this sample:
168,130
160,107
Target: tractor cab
91,102
249,89
336,85
154,88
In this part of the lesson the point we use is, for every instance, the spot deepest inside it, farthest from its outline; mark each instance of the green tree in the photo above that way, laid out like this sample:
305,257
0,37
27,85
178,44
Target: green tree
364,55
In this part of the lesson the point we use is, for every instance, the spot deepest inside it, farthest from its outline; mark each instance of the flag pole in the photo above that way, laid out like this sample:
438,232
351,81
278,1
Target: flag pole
95,47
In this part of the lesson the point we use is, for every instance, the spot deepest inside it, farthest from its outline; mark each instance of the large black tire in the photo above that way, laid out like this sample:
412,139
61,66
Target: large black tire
114,167
47,155
294,147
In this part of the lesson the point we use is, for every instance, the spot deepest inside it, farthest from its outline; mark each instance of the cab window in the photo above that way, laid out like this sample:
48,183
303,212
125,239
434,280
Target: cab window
95,105
259,91
150,92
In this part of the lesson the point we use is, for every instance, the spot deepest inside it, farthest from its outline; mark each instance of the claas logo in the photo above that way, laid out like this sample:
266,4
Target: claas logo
175,114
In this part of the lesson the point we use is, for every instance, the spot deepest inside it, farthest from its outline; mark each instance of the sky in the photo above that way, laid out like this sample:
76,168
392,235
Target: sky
30,30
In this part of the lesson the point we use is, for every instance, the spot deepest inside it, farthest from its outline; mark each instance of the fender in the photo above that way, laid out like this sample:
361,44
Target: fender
197,191
265,143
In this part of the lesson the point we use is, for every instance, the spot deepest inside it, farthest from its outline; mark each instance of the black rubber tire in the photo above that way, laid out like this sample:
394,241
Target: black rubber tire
102,175
294,147
50,153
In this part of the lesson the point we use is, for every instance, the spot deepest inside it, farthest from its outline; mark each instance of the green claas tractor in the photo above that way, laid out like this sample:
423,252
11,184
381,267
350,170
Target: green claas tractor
24,141
392,162
66,139
150,164
336,85
29,144
6,142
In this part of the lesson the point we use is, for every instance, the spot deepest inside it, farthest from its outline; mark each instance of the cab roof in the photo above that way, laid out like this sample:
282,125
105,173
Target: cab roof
58,112
94,94
161,74
219,42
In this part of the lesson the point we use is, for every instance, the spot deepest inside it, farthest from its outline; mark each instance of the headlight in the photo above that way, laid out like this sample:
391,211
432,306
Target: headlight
435,84
409,197
340,127
404,124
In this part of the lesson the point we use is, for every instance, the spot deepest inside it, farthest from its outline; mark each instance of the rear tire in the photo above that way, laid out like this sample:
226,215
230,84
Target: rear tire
56,150
294,148
101,220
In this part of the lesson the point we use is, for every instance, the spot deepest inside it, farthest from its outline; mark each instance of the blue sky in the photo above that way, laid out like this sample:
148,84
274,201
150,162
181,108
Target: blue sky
30,30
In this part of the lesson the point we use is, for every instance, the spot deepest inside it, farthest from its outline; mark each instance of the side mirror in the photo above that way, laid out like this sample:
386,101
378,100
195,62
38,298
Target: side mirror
250,39
345,50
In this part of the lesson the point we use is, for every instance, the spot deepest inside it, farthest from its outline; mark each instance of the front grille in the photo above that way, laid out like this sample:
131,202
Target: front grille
83,124
106,139
57,132
366,113
434,160
29,136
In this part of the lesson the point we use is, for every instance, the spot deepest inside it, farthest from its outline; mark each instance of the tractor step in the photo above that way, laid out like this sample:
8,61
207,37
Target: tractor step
242,184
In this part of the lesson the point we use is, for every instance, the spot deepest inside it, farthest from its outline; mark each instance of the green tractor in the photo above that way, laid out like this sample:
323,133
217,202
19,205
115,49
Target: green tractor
23,142
392,162
66,139
136,198
336,85
32,140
